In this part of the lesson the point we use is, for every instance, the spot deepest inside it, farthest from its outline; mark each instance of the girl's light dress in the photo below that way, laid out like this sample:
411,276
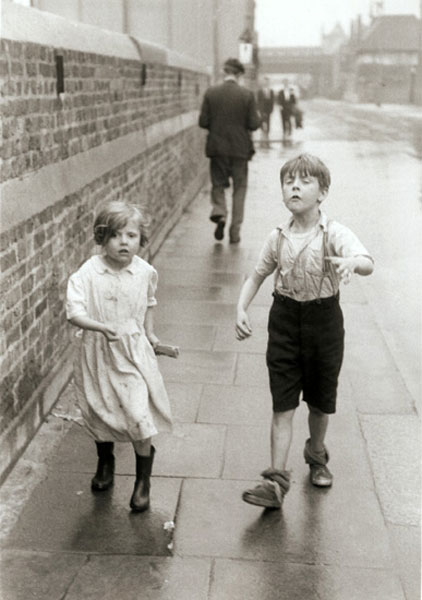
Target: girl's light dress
119,387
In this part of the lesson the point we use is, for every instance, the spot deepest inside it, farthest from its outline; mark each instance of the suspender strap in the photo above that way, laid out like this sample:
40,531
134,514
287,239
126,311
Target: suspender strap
326,266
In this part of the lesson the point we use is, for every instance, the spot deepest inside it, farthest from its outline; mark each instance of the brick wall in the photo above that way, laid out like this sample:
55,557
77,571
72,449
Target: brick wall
123,128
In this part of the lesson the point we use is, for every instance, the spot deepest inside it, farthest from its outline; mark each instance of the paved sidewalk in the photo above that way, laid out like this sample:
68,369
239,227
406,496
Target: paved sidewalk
358,540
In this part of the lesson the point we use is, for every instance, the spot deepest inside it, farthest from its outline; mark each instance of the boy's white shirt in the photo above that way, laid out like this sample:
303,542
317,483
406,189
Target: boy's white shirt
300,275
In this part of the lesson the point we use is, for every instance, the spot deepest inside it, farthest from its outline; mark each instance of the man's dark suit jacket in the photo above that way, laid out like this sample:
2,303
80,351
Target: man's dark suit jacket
265,103
229,113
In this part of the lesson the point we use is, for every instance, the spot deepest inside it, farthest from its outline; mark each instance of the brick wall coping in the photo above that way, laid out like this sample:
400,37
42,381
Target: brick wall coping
30,25
22,198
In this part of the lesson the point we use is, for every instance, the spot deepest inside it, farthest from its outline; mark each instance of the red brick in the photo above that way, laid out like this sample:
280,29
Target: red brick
8,261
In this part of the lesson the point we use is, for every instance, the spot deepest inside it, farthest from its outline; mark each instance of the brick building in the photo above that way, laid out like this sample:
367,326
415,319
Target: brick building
387,60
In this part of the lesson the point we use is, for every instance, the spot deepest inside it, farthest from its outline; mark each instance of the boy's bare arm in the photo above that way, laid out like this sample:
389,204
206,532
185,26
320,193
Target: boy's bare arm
250,287
345,267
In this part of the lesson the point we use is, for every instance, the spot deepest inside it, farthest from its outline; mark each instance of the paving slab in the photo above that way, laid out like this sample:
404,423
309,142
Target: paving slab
200,367
37,575
393,443
190,277
340,526
210,262
147,578
374,352
188,337
191,450
232,254
249,580
63,515
176,293
185,399
238,405
196,313
406,544
225,339
381,393
251,370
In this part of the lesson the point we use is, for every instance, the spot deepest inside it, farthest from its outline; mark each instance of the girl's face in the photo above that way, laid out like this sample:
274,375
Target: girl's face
123,245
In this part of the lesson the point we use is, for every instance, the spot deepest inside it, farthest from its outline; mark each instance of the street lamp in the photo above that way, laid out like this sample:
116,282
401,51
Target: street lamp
246,48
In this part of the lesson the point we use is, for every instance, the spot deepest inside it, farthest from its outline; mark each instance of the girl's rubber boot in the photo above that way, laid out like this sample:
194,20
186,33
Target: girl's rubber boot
104,477
140,497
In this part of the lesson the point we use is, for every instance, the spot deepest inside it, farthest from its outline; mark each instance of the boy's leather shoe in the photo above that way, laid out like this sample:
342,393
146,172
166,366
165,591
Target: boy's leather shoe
219,230
321,476
270,493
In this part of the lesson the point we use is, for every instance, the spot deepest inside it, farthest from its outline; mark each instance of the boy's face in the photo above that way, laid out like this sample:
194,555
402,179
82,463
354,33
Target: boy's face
302,194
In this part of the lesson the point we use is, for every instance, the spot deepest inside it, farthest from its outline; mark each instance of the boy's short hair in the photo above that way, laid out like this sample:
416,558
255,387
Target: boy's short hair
114,215
307,165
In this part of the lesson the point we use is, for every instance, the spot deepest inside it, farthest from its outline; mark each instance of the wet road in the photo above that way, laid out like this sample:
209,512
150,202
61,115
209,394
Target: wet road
374,158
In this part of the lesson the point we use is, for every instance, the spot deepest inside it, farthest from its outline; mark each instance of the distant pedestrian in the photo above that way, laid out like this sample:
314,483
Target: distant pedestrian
284,101
296,111
310,256
229,113
265,103
120,390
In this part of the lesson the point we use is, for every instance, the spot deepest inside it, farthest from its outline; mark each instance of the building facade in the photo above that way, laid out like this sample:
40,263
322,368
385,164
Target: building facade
388,60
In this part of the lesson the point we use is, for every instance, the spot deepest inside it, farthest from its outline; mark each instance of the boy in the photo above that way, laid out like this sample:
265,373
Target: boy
310,256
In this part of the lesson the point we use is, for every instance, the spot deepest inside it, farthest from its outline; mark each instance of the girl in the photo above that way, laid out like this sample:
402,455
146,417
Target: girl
120,390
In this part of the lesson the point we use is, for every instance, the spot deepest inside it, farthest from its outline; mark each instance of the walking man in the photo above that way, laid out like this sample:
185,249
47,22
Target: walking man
229,113
265,101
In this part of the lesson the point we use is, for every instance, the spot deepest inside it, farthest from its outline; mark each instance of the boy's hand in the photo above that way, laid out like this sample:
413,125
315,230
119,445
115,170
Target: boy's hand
110,333
243,328
345,267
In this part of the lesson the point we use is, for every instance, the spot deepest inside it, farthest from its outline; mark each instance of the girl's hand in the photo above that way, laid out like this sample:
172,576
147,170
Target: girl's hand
243,328
345,267
110,333
153,340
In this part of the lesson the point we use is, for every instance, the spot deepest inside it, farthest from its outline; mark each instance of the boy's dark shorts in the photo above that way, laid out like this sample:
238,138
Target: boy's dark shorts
305,352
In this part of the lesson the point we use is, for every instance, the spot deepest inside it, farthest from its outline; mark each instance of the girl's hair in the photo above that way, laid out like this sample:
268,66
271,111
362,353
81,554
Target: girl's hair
307,165
114,215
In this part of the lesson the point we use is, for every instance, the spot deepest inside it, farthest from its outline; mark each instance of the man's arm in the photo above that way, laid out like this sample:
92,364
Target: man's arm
205,115
253,120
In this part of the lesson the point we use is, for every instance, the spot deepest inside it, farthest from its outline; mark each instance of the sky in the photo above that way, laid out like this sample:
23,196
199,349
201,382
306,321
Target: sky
299,22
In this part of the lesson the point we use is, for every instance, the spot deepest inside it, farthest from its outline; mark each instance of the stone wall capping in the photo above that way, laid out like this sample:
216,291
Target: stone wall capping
30,25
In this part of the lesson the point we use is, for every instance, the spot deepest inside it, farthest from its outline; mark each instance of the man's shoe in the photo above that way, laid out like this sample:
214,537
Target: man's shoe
321,476
219,230
270,493
234,240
